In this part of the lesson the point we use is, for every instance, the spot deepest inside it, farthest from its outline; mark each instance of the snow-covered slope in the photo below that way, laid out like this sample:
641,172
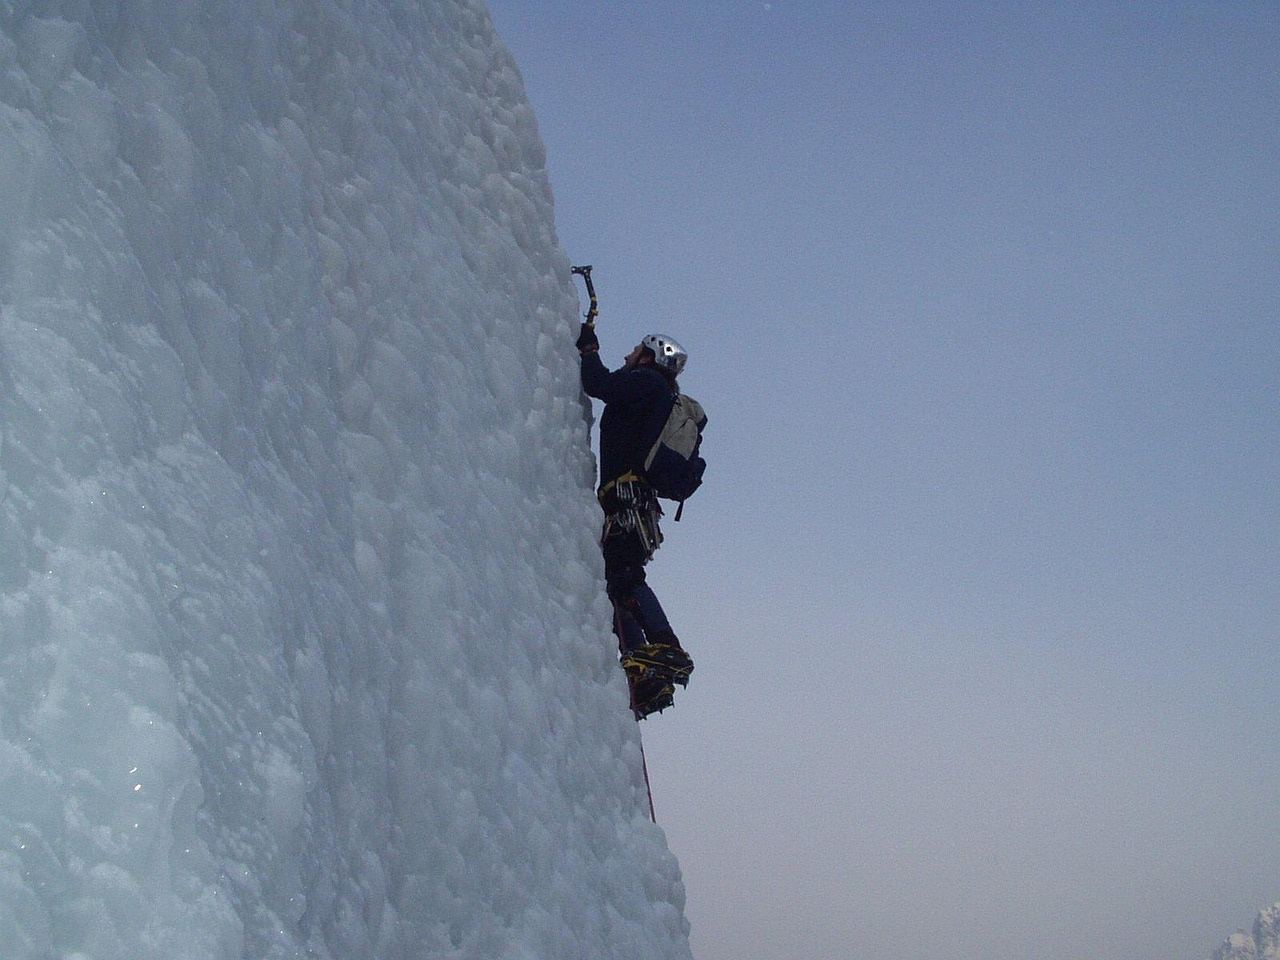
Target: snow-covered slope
304,651
1262,944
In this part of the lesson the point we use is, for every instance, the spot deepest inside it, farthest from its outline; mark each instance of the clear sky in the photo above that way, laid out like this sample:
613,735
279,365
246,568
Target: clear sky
982,300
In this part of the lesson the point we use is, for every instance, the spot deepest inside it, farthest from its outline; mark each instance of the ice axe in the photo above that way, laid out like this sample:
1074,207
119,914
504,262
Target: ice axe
593,311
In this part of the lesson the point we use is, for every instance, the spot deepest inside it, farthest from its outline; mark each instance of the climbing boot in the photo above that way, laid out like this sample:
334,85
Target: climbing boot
658,660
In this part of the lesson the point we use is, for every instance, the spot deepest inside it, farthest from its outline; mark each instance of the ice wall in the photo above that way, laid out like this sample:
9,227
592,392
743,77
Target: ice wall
303,650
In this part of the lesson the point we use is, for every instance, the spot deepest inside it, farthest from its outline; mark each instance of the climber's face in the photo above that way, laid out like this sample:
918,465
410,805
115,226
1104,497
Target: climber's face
636,357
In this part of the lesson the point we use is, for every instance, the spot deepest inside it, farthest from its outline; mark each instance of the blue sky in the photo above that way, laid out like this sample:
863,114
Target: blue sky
982,302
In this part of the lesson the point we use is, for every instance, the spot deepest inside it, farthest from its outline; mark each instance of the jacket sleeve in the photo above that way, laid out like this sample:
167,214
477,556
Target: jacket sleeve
621,386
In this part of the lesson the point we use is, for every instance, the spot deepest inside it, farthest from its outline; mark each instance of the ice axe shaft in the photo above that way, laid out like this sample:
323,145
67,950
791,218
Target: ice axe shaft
593,311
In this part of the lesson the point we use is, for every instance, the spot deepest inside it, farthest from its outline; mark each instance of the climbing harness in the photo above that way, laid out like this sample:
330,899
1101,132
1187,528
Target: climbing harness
630,504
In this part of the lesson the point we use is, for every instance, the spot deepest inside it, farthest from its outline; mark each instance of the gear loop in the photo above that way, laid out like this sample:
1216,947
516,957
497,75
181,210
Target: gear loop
630,504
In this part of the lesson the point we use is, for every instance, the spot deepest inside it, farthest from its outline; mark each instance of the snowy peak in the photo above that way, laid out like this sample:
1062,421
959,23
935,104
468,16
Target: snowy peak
1262,944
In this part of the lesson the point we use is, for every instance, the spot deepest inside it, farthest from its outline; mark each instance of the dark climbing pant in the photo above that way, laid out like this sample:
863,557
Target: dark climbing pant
638,616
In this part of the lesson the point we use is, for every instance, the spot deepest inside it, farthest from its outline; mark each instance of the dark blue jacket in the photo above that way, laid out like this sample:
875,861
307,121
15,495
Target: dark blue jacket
637,403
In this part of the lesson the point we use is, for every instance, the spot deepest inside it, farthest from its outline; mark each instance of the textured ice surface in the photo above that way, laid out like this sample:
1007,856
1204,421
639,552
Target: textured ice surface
304,651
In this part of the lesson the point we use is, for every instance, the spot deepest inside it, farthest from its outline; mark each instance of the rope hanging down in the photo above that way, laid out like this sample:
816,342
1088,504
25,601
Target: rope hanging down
644,760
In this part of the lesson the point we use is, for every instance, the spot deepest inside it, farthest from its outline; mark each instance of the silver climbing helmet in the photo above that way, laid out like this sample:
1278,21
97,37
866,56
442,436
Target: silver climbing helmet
667,354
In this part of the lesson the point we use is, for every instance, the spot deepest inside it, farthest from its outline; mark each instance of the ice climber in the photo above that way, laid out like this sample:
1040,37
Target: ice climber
638,398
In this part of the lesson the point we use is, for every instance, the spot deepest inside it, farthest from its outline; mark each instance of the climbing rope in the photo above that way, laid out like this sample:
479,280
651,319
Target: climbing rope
644,761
